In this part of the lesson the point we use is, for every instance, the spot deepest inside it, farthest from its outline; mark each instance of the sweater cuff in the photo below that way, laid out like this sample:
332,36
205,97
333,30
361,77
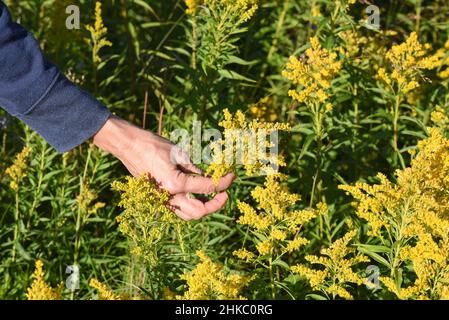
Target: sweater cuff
66,116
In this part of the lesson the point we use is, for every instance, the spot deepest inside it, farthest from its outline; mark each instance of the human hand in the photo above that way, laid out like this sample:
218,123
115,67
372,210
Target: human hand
143,152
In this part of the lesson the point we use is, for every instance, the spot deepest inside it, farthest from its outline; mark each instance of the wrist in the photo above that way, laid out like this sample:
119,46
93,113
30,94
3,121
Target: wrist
115,137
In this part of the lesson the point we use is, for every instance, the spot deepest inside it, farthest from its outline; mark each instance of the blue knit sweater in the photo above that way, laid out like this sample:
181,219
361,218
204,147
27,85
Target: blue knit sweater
36,92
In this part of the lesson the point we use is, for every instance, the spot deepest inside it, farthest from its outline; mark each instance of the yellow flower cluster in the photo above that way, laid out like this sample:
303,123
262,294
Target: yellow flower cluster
353,42
274,219
245,143
244,254
313,72
104,293
440,118
39,289
192,5
414,209
146,218
407,60
245,8
337,273
97,33
242,9
209,281
85,200
264,110
315,10
17,171
443,60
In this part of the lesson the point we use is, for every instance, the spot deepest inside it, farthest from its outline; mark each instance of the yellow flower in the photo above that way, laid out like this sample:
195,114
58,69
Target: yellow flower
277,234
442,55
401,293
17,171
251,217
337,265
97,34
315,277
407,61
264,247
313,73
104,293
295,244
85,201
244,254
263,110
209,281
440,118
353,44
39,289
192,5
315,10
242,9
247,8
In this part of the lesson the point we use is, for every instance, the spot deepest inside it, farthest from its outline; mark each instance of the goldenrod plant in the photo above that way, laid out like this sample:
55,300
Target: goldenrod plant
347,199
275,227
407,61
336,272
97,41
409,222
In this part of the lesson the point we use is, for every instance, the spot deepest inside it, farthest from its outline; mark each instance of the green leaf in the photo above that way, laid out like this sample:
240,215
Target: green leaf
375,256
315,296
282,264
22,252
240,61
229,74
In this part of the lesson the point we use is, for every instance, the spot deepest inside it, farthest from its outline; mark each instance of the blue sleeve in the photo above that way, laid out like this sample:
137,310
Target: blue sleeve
36,92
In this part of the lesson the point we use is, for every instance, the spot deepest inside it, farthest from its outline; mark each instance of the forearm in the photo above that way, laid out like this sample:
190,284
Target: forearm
36,92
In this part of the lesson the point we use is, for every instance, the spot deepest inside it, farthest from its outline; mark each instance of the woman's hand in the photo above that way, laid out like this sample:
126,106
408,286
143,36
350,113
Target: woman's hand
143,152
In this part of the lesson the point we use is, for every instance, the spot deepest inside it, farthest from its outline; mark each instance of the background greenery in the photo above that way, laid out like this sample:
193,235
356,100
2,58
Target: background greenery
191,69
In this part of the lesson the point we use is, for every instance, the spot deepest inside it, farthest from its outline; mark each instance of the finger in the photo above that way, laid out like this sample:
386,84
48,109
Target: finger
196,209
177,210
184,216
205,185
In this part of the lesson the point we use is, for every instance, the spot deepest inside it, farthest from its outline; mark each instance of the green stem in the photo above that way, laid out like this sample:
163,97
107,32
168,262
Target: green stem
94,72
396,113
318,129
194,44
38,188
79,218
418,16
16,226
274,43
272,284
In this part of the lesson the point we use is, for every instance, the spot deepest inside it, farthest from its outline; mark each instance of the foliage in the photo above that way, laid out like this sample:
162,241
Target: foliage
364,169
